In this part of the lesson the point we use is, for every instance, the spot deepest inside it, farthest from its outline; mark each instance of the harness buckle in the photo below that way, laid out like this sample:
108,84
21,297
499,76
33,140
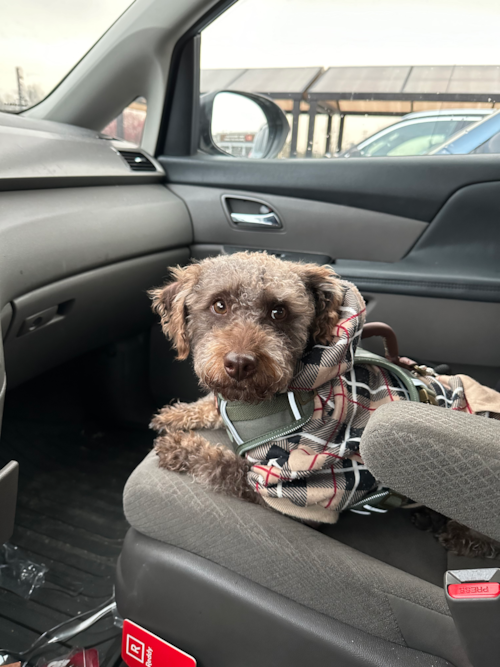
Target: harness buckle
426,396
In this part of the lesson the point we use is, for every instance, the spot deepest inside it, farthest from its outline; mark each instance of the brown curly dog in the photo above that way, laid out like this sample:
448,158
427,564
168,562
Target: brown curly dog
247,319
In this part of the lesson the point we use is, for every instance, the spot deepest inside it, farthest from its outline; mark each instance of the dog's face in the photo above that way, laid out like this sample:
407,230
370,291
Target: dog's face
247,318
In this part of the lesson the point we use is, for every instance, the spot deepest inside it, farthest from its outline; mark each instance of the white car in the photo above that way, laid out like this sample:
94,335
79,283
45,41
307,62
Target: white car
417,133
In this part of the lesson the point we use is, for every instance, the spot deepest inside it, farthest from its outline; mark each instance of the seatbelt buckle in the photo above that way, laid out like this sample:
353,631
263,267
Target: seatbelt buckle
473,597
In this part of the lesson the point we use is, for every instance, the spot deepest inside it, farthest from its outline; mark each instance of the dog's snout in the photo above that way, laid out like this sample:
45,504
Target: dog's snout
240,366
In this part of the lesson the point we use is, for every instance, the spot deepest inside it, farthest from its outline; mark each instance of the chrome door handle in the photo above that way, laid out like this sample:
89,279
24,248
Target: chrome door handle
258,219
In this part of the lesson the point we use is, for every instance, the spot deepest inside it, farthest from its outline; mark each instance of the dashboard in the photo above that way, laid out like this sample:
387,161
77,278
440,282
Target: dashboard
87,225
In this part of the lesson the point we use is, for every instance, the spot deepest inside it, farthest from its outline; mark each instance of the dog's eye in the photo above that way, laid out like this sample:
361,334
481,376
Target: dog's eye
278,313
219,307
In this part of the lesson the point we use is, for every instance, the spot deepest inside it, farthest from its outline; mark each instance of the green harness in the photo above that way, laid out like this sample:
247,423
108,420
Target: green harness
251,425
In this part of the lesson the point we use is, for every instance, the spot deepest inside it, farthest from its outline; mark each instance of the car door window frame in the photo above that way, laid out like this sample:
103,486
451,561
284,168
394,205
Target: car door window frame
179,128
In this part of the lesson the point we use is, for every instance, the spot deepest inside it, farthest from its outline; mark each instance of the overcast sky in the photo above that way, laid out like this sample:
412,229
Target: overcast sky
47,37
306,33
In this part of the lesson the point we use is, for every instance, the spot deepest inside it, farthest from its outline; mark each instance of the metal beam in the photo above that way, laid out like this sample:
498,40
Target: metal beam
310,134
295,128
341,132
328,142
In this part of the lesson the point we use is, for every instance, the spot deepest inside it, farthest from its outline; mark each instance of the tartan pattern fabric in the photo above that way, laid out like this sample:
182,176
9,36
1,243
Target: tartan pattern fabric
317,472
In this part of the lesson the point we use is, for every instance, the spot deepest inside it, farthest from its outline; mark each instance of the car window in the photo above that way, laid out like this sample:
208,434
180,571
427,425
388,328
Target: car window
341,72
129,125
42,40
414,139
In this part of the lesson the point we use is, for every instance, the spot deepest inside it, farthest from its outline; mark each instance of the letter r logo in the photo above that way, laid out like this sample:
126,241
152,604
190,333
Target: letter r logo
135,648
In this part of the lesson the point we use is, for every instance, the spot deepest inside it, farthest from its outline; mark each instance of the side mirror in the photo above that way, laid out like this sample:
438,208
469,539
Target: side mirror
241,125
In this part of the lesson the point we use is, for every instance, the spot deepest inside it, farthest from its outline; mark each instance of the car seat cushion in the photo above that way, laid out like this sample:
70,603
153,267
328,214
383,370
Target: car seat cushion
447,460
273,550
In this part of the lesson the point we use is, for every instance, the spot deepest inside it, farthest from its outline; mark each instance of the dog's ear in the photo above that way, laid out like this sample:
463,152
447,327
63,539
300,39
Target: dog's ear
324,284
169,302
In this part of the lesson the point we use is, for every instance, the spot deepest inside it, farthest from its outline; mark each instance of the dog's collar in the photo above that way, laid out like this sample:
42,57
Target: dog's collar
250,425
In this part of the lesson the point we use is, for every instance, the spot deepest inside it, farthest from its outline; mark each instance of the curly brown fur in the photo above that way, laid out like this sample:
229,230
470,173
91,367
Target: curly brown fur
454,536
214,466
467,542
188,416
250,285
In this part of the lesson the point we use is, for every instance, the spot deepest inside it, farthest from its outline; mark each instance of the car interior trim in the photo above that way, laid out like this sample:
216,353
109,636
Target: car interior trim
436,330
338,231
53,148
47,235
181,90
409,187
132,59
67,318
178,588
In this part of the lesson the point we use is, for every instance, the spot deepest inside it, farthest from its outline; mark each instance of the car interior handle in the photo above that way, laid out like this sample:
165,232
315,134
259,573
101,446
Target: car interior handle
258,219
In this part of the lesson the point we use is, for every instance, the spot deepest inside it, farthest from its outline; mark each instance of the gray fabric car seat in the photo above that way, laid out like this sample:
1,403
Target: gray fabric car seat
451,461
189,549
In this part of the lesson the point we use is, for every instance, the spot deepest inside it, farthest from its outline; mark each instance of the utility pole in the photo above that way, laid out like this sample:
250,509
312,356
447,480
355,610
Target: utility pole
20,88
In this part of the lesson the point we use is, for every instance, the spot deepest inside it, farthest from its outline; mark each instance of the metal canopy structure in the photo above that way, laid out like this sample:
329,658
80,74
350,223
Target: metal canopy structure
218,79
339,82
443,83
396,90
361,90
278,82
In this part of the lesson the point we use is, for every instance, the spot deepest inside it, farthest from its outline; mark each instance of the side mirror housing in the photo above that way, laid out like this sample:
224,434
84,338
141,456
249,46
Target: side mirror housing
242,125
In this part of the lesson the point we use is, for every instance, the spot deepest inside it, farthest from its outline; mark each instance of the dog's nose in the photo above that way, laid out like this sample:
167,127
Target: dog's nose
240,366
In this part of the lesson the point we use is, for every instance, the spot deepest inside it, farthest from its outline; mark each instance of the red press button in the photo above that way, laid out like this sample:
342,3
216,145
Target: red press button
479,589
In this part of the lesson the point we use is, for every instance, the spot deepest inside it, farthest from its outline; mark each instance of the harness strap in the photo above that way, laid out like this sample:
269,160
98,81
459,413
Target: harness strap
366,358
252,425
418,391
384,499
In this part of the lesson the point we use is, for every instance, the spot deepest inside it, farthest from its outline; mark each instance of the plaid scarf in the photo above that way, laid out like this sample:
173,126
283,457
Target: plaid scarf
317,472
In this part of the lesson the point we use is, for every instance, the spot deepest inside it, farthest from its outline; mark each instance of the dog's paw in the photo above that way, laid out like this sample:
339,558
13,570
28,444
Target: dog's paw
186,417
156,425
175,417
464,541
428,520
172,452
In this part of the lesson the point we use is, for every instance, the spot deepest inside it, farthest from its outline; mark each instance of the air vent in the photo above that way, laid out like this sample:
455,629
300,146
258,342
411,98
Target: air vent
137,161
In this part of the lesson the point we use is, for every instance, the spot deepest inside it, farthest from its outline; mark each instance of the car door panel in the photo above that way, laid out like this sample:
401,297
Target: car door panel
458,256
318,227
410,187
439,330
429,226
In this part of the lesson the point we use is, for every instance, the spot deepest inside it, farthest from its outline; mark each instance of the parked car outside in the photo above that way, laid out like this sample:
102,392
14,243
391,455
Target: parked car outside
417,133
481,137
